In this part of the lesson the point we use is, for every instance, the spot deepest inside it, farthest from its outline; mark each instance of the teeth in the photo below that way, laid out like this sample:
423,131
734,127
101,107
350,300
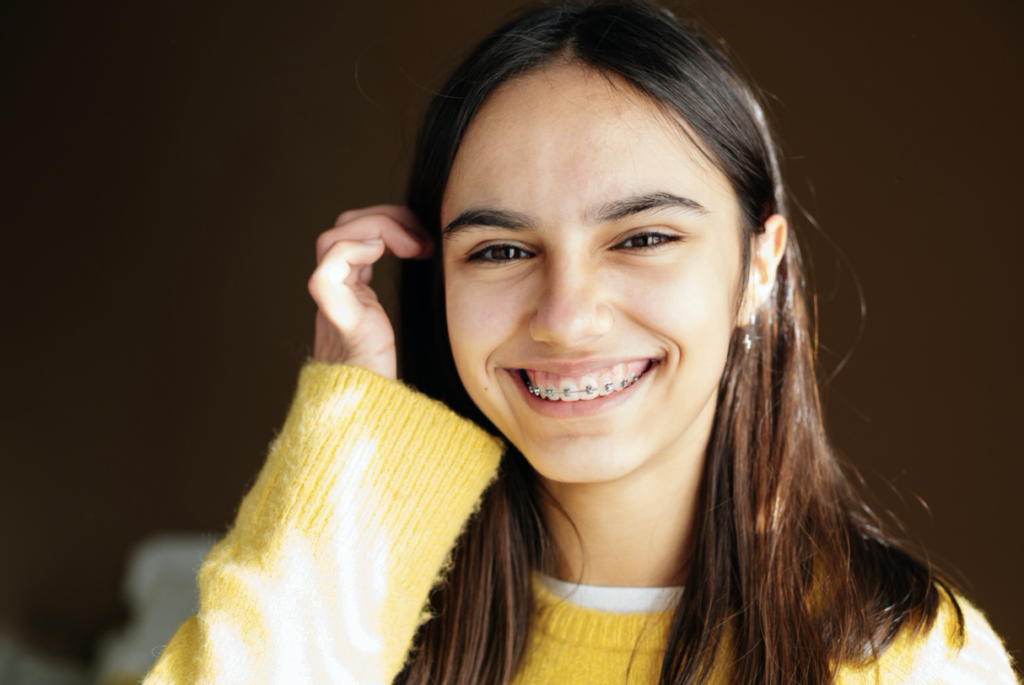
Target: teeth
567,390
589,386
619,376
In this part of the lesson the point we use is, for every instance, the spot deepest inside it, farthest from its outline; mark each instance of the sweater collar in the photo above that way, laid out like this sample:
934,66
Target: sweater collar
562,619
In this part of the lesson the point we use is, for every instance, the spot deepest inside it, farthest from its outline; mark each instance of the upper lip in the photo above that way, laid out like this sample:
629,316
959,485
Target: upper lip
578,367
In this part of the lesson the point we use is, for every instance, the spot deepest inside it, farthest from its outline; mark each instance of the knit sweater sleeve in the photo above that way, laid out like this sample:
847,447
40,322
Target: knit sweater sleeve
938,657
324,575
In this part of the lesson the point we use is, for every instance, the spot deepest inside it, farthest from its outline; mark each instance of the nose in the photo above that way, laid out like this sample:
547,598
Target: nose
571,309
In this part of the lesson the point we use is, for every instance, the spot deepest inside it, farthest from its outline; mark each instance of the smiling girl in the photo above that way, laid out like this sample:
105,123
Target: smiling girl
626,479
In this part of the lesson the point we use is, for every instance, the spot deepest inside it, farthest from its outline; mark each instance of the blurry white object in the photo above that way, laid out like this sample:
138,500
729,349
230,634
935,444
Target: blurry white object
160,589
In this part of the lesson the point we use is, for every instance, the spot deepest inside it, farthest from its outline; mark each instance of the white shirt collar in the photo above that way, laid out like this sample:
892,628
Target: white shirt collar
620,600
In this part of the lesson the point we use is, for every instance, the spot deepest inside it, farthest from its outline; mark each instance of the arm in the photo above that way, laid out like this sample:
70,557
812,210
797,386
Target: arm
325,573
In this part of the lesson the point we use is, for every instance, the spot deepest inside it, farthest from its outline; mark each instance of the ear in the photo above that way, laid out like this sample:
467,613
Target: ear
768,249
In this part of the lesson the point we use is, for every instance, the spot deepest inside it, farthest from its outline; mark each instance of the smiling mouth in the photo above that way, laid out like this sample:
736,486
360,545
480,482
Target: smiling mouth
590,386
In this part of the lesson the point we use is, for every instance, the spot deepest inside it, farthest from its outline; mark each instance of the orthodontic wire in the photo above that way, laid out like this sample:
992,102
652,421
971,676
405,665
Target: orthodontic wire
566,392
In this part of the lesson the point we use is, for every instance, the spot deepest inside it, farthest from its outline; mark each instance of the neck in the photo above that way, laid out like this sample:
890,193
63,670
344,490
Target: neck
635,531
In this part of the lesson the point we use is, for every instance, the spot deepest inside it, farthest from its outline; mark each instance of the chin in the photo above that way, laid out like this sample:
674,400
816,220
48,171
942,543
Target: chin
581,460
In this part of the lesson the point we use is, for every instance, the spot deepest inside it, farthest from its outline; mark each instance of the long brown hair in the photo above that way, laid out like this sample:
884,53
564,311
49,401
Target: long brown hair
787,559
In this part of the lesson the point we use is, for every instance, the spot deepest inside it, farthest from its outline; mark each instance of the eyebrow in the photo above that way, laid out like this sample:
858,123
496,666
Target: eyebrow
491,218
613,211
638,204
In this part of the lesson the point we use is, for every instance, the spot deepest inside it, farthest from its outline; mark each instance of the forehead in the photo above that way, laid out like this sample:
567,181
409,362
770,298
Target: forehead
561,140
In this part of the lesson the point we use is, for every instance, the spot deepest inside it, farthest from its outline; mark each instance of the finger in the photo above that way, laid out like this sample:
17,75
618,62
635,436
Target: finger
338,272
335,294
346,261
397,238
399,213
342,308
374,226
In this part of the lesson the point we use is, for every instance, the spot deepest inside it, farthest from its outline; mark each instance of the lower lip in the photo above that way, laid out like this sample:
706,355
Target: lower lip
559,409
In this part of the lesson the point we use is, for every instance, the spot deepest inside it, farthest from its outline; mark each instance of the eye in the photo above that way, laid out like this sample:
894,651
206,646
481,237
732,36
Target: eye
645,240
499,253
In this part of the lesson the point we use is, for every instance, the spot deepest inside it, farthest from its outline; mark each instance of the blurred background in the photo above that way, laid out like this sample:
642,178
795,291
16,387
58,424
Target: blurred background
166,167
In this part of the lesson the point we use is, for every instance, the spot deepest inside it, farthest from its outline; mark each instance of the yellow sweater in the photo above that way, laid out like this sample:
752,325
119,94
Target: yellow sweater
324,575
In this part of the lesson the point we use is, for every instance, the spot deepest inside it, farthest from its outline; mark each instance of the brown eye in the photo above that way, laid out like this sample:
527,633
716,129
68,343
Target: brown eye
499,253
645,240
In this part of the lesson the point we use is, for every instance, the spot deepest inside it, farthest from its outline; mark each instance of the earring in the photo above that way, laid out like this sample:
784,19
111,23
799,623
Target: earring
746,336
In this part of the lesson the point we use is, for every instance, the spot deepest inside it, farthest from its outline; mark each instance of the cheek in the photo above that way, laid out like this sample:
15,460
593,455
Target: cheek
691,305
480,318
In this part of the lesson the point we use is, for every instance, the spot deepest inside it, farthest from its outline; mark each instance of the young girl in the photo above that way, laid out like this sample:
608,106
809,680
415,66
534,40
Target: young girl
626,478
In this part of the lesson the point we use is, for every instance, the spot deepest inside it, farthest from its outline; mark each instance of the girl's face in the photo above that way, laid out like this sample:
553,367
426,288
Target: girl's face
587,241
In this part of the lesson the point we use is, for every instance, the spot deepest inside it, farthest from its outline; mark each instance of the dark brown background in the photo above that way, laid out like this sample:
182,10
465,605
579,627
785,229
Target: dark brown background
167,165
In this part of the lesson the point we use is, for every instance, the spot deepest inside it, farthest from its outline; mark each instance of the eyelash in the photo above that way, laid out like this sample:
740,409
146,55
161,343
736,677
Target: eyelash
663,239
479,255
660,238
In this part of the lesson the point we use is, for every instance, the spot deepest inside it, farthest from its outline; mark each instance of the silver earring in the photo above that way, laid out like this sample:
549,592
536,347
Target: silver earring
747,342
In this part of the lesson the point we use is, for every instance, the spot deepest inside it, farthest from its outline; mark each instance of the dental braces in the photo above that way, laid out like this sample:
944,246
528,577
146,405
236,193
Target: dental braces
551,392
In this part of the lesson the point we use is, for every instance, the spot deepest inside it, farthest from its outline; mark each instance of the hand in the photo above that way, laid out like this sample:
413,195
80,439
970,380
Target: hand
351,326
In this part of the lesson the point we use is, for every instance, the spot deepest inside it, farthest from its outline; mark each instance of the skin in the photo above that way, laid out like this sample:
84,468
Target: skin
566,286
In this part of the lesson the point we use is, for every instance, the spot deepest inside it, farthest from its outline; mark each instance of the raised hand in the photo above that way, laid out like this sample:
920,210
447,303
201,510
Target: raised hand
351,326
